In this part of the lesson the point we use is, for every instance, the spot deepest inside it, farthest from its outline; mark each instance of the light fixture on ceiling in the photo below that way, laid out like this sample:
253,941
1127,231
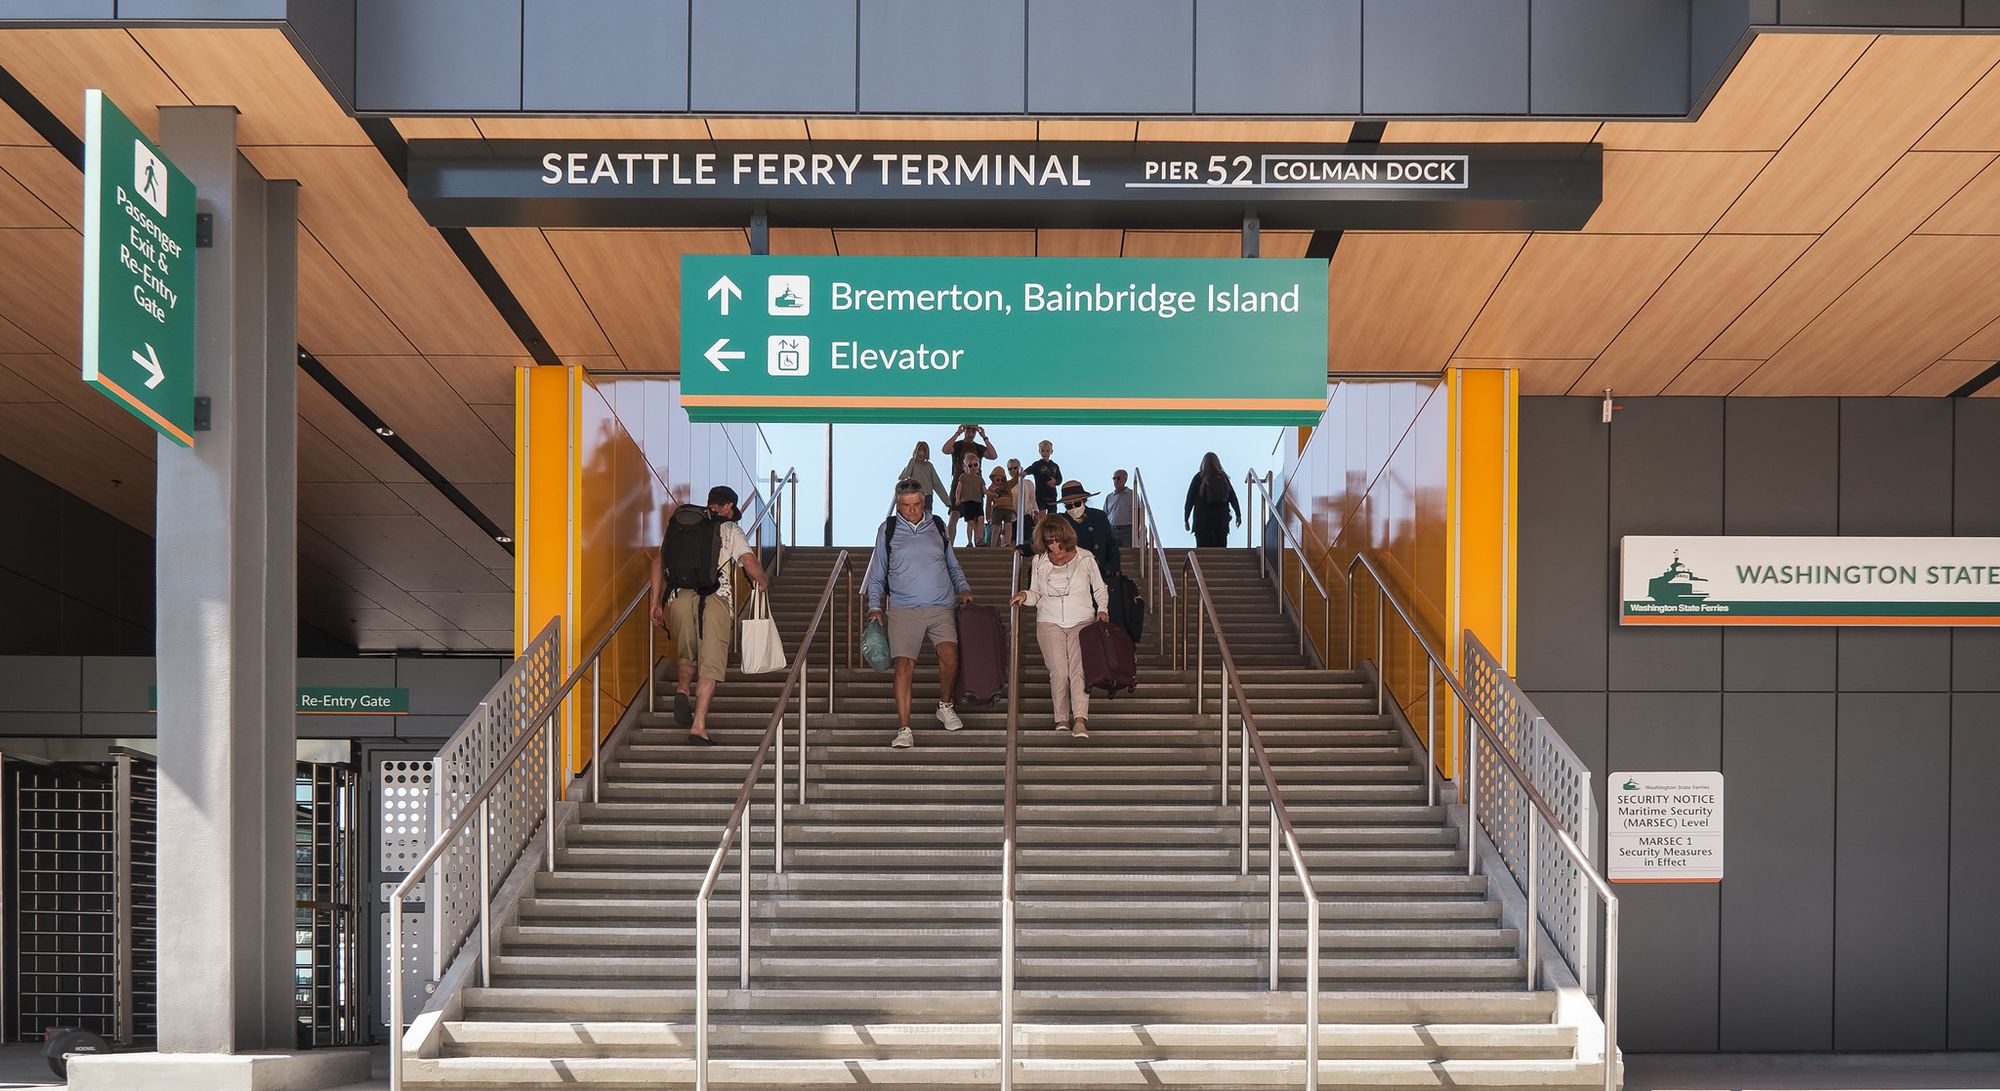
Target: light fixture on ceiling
384,431
503,539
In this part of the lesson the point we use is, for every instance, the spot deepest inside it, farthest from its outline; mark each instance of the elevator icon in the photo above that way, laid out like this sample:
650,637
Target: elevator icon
788,354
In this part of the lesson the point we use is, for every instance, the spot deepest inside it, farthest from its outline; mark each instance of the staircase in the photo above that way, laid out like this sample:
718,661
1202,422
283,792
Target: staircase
874,957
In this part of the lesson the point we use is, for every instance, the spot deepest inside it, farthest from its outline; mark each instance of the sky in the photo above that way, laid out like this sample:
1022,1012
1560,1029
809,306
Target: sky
867,458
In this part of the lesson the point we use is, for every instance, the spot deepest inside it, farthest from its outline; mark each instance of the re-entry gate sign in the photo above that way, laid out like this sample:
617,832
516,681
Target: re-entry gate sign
138,273
1003,339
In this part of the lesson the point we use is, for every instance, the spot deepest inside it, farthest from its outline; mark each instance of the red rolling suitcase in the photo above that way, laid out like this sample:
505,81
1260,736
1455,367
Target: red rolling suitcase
1109,661
982,656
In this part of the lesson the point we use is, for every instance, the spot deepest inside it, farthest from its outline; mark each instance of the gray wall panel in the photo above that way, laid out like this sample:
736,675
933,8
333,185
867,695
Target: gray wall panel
1974,987
40,723
1892,887
1588,57
1982,13
605,55
373,671
1445,56
326,27
437,55
1715,28
1277,56
40,683
1781,478
1111,56
59,9
1564,591
120,725
1975,453
446,687
1895,479
117,683
784,55
971,55
1892,660
1666,478
1777,903
1886,13
201,9
1669,934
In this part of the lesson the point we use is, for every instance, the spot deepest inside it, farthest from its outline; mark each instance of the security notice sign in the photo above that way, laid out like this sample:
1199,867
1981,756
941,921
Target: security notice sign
138,273
1746,580
1003,339
1666,827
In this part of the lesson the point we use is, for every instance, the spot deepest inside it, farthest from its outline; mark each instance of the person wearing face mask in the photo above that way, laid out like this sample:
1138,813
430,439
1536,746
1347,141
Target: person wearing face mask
1067,593
1092,528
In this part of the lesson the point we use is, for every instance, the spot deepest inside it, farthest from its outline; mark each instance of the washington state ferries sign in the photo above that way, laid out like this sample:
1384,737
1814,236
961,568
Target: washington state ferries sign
1730,580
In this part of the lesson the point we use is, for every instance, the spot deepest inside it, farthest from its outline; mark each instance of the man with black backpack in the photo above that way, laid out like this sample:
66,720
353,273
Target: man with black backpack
694,597
914,576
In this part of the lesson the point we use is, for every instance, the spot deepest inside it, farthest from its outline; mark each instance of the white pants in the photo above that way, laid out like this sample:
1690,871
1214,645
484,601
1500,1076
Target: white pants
1064,655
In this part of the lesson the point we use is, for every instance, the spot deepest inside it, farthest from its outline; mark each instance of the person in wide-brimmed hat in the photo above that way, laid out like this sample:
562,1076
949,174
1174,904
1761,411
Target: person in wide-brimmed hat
1093,527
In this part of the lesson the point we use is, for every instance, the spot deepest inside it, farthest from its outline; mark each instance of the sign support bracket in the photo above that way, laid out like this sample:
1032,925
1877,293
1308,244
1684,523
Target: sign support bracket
760,231
1253,243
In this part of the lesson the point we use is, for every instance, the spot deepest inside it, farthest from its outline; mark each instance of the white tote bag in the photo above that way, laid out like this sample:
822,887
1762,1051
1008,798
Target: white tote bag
763,648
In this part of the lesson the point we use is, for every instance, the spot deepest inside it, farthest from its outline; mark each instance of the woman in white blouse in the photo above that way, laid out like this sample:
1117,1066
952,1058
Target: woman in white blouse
1067,594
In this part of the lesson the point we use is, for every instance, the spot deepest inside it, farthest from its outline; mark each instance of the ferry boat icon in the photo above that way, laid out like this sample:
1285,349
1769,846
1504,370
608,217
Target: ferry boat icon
1676,584
786,298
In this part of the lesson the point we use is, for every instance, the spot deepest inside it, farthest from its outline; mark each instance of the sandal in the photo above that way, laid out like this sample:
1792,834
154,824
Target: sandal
701,738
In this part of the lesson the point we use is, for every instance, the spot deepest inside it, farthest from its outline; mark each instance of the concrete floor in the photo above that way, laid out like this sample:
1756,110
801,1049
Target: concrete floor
21,1066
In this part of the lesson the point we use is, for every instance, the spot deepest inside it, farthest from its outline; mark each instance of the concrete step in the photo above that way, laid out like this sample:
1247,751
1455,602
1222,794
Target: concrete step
652,911
802,883
869,936
950,962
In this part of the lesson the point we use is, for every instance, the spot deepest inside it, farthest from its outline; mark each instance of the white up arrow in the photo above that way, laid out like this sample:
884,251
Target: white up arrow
719,352
725,288
151,362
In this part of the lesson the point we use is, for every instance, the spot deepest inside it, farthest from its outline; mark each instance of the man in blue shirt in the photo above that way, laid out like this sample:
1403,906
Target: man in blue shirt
914,569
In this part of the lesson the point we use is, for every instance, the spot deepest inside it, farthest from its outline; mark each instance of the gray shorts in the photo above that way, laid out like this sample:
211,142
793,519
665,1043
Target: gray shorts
910,626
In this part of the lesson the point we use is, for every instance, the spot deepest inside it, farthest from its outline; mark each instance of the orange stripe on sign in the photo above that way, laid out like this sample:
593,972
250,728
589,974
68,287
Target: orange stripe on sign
864,402
1717,619
145,409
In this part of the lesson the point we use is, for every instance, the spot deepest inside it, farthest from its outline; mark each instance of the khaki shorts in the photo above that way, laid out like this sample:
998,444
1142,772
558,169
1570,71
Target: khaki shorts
910,626
706,645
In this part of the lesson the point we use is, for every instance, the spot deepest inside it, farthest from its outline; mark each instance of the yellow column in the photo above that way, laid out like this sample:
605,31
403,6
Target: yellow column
1483,499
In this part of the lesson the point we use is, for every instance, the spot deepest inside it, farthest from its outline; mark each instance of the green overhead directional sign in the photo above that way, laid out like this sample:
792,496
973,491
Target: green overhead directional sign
1003,339
138,273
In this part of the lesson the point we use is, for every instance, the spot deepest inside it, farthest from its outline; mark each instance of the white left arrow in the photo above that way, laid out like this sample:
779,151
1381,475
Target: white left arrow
725,288
151,362
719,352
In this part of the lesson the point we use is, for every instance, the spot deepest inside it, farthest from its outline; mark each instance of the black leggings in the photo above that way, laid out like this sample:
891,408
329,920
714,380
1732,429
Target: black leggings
1211,526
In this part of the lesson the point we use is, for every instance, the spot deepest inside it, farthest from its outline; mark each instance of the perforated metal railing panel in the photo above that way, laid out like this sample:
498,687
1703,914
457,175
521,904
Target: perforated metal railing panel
517,703
404,812
1565,903
65,969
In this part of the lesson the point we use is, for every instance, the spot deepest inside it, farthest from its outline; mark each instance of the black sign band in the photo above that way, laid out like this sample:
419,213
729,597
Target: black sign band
472,183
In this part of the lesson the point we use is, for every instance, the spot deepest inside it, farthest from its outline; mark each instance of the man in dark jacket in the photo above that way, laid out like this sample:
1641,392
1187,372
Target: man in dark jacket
1093,528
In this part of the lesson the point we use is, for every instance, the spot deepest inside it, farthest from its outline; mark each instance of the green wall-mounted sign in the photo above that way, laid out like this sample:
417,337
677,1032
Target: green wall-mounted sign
335,700
138,273
1211,341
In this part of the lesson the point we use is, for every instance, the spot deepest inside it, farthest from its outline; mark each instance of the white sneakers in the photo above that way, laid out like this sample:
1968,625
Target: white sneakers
904,739
948,716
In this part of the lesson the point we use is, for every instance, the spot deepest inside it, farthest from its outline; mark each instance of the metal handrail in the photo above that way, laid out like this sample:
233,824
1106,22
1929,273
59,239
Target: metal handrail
1477,726
475,805
1306,571
737,824
1281,822
1007,837
1153,564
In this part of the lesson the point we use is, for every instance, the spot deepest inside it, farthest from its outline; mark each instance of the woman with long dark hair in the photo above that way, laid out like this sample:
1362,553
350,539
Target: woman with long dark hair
1211,497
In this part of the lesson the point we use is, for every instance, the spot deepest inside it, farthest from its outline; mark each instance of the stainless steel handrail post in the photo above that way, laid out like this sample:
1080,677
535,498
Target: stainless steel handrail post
1222,724
1271,946
395,946
596,729
1534,895
1471,759
1243,796
485,898
1381,652
744,853
701,991
652,662
1009,798
1312,988
1200,653
1430,732
549,771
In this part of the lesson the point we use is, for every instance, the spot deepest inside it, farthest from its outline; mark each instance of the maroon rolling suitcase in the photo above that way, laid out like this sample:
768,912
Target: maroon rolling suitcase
1109,661
982,656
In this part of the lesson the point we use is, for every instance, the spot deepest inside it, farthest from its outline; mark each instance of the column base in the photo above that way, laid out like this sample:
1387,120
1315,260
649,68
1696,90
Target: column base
304,1071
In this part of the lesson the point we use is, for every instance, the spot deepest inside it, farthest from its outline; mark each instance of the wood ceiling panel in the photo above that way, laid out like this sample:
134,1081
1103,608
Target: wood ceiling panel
1296,132
1491,132
1975,210
1914,188
802,240
1671,193
919,129
53,180
437,128
1973,124
463,532
1984,345
19,207
350,498
363,447
985,244
15,386
1063,242
320,458
592,128
1716,282
14,131
406,549
41,286
1537,377
538,280
757,128
334,315
1085,129
61,379
1567,296
1771,92
1884,104
376,589
1183,244
640,313
320,551
258,71
499,418
1711,378
486,378
357,208
57,65
1401,302
428,414
13,339
53,442
1941,378
1919,303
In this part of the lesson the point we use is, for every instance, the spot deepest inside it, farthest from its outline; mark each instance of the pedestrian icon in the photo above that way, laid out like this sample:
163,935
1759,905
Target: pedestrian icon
149,176
791,296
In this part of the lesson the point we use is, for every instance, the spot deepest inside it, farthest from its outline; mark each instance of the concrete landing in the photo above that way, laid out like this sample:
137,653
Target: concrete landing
314,1070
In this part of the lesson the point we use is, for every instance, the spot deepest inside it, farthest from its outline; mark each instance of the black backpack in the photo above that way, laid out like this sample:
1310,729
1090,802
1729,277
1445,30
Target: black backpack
1214,489
690,549
889,543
